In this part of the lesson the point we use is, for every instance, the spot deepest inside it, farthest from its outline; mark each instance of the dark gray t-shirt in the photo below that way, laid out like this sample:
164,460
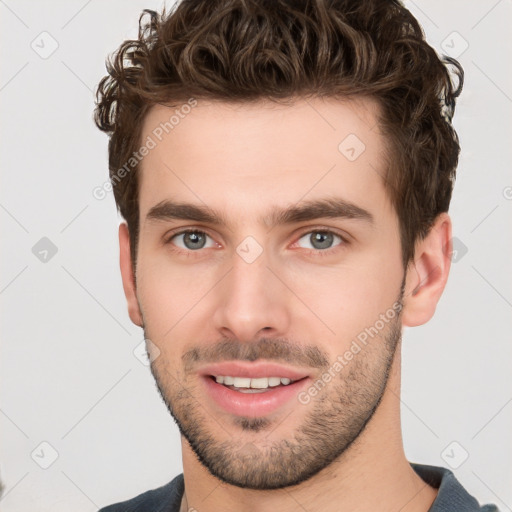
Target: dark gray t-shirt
451,497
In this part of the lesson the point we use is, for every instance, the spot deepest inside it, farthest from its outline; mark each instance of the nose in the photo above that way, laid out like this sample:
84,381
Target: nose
251,301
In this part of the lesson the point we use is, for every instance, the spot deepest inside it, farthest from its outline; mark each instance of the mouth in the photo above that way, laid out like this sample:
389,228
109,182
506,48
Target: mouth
252,385
252,389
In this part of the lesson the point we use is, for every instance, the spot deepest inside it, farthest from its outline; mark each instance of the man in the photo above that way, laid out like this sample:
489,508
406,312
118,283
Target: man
285,171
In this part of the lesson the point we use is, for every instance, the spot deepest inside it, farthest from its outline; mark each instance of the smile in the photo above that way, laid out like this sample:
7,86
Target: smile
252,385
252,389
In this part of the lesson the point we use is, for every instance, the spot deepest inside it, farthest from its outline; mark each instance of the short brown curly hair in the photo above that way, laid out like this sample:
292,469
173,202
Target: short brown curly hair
245,50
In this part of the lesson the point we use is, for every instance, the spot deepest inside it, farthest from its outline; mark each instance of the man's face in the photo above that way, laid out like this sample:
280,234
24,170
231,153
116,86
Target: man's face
258,296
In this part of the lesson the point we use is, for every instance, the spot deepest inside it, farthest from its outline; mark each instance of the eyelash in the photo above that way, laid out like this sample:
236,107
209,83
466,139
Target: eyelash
315,252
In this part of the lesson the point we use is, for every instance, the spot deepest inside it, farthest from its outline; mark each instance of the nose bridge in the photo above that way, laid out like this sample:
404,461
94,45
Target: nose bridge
251,298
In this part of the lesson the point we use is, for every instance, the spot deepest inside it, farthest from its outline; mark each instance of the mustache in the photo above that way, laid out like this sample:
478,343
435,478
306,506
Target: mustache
272,349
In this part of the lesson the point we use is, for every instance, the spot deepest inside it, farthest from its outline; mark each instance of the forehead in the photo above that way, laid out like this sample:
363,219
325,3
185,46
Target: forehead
239,158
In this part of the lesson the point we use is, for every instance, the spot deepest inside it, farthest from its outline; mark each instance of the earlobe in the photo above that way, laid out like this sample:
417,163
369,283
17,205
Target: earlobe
428,273
128,278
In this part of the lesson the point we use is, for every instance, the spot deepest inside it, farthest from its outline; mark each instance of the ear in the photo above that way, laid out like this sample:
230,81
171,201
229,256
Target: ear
125,261
427,274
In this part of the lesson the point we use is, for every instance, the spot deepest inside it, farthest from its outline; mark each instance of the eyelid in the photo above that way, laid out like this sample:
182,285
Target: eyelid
178,231
325,229
169,235
308,229
319,253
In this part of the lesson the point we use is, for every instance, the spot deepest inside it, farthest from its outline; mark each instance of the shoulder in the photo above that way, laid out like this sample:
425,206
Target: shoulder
165,498
451,494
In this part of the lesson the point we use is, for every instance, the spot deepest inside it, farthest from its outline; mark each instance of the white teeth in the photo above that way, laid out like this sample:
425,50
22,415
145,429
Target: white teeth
260,383
256,383
242,382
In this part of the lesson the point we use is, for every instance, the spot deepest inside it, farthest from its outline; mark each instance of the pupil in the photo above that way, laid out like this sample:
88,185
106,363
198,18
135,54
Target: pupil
195,238
321,240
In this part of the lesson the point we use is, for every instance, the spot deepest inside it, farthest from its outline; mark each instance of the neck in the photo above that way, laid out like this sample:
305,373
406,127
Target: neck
373,474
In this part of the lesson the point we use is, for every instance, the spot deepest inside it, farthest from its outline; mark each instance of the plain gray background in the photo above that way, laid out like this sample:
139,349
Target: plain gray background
70,378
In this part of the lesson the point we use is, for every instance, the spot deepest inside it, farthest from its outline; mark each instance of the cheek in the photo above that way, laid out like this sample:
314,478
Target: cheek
350,298
170,294
373,292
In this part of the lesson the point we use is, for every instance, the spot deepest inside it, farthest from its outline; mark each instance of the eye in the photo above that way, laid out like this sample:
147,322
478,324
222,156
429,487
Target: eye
320,239
191,239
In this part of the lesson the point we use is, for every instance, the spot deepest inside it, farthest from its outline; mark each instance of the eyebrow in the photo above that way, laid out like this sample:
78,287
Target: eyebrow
333,208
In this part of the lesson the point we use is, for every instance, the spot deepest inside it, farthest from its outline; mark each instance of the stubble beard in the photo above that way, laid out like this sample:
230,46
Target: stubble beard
247,459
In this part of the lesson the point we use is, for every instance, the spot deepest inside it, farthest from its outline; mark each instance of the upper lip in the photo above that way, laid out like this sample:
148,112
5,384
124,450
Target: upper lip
252,370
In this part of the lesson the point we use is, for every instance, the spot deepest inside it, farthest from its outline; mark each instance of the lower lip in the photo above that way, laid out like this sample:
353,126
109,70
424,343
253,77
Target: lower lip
252,405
